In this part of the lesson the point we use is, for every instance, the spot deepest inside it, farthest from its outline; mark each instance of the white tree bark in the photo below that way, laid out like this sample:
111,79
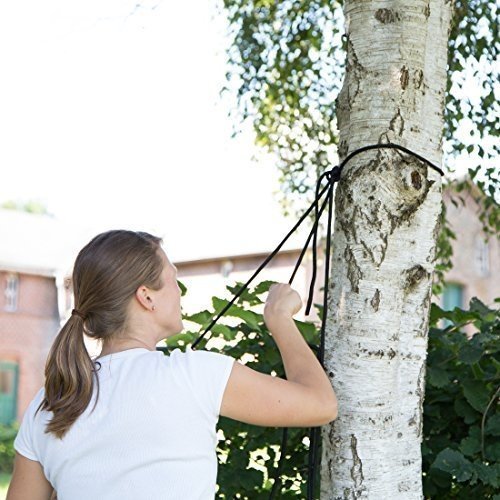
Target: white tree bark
386,223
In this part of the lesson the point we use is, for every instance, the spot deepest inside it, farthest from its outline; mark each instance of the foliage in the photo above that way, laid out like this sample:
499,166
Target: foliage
7,452
31,206
286,61
474,42
461,446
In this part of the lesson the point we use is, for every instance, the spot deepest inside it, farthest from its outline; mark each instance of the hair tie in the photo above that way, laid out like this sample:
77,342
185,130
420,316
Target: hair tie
77,313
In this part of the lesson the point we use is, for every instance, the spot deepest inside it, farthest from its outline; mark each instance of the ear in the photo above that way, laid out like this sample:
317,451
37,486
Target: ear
142,294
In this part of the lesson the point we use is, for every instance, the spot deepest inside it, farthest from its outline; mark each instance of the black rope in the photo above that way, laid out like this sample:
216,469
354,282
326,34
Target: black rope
333,176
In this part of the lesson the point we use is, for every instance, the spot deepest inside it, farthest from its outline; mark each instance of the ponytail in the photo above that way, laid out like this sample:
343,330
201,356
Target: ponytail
69,377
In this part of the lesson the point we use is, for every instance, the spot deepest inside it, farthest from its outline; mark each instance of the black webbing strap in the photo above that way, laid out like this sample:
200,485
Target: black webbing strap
332,176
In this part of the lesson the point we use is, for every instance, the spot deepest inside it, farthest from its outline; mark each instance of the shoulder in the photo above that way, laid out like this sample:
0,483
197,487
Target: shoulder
199,361
199,356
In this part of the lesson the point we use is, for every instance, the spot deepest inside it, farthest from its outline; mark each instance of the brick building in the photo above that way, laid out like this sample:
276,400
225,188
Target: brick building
476,260
33,262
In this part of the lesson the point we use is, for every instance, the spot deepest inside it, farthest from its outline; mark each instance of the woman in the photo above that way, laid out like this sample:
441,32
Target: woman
134,423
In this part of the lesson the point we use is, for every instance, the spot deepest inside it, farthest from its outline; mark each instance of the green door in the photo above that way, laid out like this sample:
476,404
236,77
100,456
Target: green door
8,391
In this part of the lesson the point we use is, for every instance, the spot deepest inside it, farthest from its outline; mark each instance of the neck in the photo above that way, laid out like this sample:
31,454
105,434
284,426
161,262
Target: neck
122,344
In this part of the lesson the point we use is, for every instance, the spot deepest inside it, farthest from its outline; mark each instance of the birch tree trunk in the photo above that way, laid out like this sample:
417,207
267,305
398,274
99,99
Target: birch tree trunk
386,225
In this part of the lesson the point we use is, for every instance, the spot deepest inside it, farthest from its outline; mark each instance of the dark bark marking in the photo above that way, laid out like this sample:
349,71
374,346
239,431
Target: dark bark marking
418,78
375,299
411,199
356,72
343,148
427,10
437,229
397,124
419,391
435,235
353,271
414,276
387,16
391,353
416,180
395,337
404,78
356,469
404,486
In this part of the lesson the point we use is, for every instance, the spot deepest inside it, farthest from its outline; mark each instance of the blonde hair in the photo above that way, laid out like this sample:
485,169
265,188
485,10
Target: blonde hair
106,275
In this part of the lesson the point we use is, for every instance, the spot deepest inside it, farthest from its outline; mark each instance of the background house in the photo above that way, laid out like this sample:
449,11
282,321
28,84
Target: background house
31,260
36,254
476,260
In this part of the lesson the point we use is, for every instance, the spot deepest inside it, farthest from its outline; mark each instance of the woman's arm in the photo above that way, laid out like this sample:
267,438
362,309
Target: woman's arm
28,481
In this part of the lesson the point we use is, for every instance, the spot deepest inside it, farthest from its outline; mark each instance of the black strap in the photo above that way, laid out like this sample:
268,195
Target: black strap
332,176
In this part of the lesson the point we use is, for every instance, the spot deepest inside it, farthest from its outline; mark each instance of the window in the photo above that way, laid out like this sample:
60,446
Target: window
482,257
8,391
226,268
453,296
11,292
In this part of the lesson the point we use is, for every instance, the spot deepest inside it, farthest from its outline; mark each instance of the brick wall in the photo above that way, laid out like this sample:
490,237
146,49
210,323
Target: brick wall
476,263
27,332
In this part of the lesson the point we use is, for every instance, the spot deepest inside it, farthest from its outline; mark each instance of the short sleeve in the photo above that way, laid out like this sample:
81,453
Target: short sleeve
208,373
23,442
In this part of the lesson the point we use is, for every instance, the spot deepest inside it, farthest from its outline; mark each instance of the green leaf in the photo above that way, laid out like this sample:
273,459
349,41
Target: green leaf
466,411
454,463
307,329
436,314
263,287
201,317
476,394
438,377
470,354
476,305
459,316
183,288
492,452
470,446
493,425
236,311
245,296
488,473
225,331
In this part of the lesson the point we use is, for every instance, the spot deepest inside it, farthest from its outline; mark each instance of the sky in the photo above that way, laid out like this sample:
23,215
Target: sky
111,117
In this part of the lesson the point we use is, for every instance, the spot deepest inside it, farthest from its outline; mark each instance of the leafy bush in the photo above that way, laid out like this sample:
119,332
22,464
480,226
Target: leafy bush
461,446
7,436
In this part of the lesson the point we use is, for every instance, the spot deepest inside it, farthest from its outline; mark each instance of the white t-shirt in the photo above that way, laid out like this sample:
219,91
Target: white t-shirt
152,435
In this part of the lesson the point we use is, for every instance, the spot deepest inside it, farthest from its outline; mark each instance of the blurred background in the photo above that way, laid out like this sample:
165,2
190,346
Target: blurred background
112,117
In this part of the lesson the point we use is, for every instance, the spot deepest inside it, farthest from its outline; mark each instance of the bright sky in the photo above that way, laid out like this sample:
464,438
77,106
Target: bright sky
114,120
111,116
